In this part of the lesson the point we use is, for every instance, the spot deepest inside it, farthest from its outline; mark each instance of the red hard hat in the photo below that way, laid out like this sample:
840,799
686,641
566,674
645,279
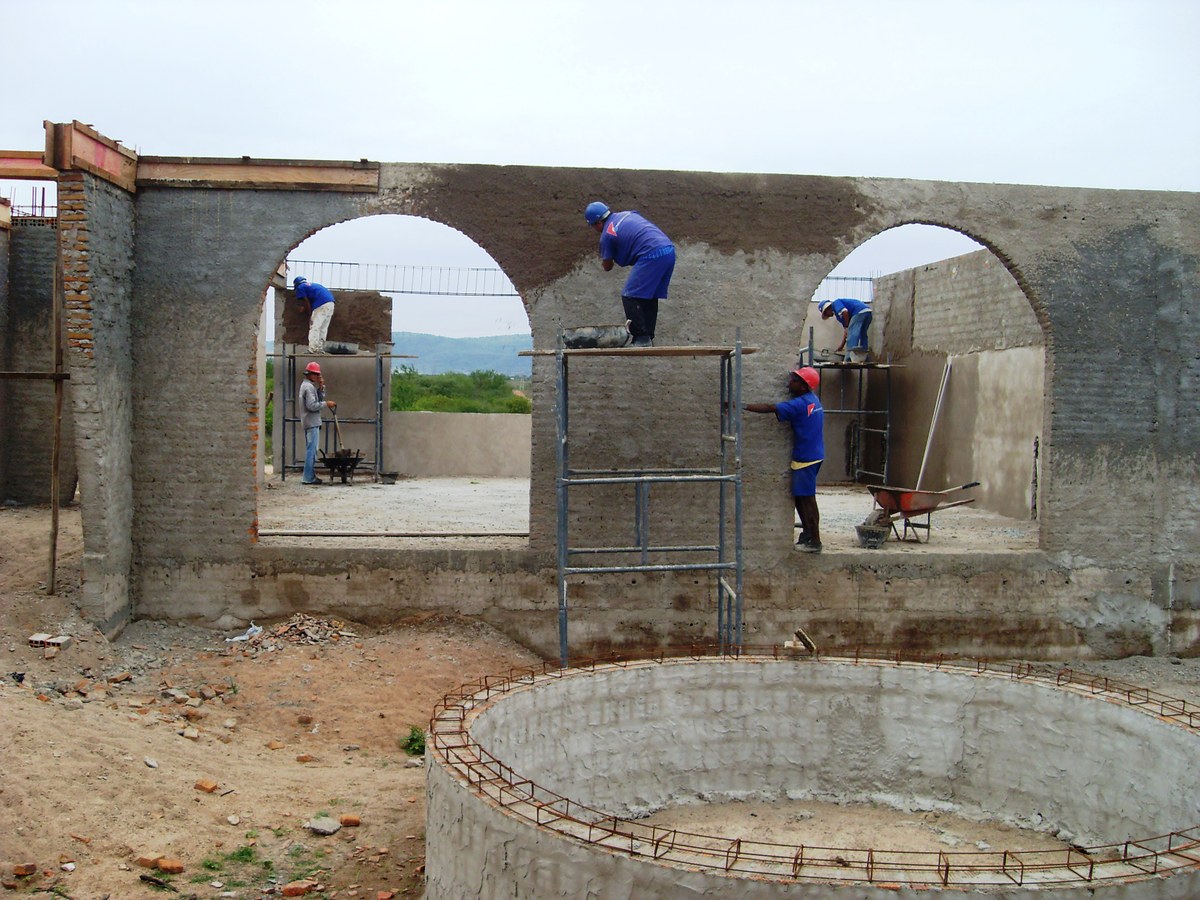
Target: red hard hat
313,368
809,376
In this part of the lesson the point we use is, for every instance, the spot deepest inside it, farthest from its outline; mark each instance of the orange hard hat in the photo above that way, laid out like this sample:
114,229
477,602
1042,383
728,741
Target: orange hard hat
313,368
809,376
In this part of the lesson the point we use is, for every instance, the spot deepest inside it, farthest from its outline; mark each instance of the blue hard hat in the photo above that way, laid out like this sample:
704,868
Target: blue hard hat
300,279
595,212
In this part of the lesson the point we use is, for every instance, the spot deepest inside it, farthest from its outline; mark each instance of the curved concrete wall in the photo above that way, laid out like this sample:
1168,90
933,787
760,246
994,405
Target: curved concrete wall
629,741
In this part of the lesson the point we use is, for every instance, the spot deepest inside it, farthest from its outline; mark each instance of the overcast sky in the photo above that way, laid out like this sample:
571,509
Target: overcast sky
1094,93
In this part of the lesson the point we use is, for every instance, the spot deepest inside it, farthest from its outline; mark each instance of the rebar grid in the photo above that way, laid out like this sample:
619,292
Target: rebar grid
493,780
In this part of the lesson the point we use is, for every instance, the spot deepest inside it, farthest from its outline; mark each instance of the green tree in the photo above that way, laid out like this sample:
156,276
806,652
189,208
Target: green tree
478,392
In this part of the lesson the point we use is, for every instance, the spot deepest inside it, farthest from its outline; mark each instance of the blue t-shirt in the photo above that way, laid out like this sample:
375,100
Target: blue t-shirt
850,305
807,418
628,236
315,294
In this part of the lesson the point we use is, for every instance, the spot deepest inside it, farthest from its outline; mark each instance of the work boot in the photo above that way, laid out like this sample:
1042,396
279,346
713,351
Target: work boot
314,481
809,547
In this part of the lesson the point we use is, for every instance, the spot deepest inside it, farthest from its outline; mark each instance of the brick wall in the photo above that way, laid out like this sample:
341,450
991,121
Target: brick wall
5,240
28,333
969,304
749,247
97,233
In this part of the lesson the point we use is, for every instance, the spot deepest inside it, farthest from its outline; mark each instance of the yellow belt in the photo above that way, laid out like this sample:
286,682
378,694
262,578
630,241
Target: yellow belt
805,465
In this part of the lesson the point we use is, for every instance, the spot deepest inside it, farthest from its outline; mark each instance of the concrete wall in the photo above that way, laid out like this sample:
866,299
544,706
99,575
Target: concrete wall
911,738
432,444
29,347
1100,268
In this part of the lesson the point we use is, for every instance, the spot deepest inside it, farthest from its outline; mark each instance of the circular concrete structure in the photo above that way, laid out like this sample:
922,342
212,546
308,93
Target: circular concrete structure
534,779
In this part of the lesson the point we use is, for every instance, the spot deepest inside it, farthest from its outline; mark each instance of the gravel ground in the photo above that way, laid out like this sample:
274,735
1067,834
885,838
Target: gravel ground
439,507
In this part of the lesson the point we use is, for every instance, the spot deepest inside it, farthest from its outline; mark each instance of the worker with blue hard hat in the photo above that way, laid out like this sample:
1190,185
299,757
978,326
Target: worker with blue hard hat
855,318
629,239
321,305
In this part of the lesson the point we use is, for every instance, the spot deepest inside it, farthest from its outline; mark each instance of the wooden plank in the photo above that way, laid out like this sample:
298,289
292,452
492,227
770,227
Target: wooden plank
25,164
697,350
78,146
35,376
258,174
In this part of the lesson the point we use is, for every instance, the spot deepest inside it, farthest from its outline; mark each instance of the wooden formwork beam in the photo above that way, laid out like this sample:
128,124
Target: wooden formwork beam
258,174
78,146
26,165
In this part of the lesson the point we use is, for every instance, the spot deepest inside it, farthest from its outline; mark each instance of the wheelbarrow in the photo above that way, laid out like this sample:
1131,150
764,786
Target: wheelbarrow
908,504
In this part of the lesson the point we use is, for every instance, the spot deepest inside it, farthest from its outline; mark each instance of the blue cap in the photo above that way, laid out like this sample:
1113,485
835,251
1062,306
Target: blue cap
300,279
595,212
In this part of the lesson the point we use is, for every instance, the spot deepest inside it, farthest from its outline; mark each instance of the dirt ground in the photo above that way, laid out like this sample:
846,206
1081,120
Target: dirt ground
96,771
98,767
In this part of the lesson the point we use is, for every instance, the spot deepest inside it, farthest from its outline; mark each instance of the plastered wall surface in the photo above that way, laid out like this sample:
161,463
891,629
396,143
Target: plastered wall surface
1098,267
910,738
430,444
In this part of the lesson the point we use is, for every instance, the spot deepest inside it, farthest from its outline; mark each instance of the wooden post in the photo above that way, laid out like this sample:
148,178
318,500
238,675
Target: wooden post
57,300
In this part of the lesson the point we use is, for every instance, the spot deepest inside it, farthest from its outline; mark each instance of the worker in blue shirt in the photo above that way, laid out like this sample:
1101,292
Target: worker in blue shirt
807,418
855,318
629,239
320,301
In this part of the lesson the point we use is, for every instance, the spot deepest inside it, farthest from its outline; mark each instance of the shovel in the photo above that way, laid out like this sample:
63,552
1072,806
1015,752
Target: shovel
337,430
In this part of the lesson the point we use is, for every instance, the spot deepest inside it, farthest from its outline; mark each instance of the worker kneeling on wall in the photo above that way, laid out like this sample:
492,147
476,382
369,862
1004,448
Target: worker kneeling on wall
320,302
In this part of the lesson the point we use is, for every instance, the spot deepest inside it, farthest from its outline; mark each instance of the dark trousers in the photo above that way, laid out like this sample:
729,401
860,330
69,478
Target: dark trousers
642,316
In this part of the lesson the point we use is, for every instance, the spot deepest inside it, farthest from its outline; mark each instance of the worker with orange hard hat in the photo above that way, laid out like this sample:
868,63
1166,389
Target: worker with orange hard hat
807,418
312,402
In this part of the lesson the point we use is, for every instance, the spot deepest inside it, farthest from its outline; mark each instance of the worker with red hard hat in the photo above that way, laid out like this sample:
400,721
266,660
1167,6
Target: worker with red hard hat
312,402
807,418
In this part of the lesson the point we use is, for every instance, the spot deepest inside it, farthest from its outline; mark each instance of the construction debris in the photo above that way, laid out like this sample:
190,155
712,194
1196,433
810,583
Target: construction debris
299,629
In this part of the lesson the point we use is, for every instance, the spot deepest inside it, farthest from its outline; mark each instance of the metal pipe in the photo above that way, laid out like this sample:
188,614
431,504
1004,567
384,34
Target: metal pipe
561,403
673,567
638,548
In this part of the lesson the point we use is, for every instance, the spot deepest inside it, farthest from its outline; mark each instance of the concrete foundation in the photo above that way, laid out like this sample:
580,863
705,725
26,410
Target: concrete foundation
628,741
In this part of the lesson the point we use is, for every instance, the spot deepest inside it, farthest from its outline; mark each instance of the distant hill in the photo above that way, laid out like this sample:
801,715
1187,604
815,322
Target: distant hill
436,354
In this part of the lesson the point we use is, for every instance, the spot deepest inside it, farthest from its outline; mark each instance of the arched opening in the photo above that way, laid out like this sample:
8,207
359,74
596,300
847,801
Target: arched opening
430,437
952,388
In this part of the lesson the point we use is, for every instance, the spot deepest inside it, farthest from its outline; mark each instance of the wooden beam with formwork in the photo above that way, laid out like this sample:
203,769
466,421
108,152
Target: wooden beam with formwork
247,173
78,146
26,165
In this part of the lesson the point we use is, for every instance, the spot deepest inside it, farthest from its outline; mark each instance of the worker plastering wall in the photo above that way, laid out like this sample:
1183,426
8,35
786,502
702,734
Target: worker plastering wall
1098,268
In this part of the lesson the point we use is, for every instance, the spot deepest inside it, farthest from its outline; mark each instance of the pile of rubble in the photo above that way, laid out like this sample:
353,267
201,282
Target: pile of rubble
299,629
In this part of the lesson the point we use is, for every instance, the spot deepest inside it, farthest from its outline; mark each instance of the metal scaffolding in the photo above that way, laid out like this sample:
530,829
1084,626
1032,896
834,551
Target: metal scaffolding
723,558
285,387
871,425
